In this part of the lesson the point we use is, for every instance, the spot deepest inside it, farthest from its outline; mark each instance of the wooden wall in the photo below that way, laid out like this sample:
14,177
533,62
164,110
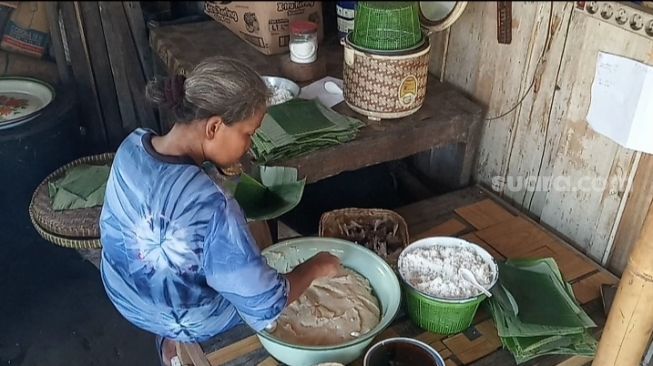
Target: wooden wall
549,67
110,63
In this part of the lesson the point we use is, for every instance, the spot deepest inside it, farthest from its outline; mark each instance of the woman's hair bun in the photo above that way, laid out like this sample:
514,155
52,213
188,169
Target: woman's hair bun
168,91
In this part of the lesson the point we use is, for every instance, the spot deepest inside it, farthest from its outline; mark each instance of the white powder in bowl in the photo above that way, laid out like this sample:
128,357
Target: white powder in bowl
279,95
434,271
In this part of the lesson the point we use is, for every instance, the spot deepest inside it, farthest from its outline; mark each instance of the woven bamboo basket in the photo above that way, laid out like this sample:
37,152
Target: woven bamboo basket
385,86
332,222
78,228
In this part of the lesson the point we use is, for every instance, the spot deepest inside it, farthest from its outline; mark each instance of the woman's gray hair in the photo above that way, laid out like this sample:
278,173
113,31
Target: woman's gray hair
218,86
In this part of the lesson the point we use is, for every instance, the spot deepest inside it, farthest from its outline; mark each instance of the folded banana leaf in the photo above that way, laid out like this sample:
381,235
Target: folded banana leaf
545,317
269,192
298,127
550,304
505,299
581,344
82,186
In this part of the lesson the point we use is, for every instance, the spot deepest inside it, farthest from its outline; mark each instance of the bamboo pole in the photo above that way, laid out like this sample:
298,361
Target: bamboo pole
630,322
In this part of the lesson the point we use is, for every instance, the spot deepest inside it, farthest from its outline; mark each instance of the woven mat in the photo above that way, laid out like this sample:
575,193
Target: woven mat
70,228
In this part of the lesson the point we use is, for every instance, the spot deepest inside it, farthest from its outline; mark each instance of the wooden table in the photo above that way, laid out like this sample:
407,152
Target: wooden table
447,116
477,216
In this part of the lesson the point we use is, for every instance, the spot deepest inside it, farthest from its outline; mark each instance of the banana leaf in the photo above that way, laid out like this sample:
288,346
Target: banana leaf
548,266
582,345
531,328
292,117
545,306
298,127
82,186
269,192
505,299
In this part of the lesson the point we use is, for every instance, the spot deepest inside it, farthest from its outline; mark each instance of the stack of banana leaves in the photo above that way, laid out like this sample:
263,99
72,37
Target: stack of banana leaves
300,126
536,313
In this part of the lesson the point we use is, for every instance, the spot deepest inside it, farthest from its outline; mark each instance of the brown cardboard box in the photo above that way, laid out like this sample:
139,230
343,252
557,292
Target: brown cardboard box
27,30
265,24
15,64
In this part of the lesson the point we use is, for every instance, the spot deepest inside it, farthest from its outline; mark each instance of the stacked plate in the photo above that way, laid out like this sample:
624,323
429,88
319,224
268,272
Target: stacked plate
22,99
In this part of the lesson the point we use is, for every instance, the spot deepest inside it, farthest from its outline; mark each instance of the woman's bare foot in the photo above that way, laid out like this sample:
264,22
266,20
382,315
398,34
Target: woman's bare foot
169,350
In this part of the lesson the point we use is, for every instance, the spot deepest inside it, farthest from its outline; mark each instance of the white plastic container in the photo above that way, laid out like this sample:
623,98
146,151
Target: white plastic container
303,42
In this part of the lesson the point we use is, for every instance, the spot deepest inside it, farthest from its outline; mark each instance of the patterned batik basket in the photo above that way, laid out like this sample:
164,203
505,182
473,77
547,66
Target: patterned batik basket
385,86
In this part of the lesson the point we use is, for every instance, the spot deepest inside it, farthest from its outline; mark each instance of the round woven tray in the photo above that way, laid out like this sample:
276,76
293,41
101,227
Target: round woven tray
70,228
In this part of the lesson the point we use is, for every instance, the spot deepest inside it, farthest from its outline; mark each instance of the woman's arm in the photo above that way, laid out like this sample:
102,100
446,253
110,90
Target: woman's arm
234,266
300,278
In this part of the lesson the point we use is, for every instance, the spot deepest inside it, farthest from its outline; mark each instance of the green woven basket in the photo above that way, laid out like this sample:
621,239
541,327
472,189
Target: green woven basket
438,316
443,316
383,26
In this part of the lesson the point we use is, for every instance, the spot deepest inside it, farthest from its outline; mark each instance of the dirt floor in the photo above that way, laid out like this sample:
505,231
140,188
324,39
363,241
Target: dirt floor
53,309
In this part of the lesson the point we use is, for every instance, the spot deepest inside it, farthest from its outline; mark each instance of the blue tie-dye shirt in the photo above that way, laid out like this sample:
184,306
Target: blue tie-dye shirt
178,259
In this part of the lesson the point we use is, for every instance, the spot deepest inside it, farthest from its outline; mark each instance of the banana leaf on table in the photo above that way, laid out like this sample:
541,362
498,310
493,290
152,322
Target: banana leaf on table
298,127
545,317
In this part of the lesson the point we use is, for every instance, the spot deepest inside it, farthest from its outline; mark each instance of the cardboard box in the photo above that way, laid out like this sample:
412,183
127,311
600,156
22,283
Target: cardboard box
265,24
27,30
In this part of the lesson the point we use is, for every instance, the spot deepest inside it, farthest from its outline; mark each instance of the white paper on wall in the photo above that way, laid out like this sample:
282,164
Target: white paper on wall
621,106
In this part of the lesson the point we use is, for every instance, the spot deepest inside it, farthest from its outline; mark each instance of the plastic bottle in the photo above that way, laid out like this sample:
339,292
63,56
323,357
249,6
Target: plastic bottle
346,12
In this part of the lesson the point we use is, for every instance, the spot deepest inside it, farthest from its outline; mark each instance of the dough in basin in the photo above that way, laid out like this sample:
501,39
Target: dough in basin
332,311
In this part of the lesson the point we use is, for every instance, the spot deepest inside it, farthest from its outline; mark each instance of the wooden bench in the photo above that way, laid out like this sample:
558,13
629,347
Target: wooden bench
475,215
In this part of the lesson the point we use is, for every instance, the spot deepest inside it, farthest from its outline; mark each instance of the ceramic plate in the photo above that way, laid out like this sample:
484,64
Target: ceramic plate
21,98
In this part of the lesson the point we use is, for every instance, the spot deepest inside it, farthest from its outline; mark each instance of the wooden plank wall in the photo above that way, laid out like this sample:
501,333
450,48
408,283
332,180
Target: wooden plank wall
111,62
549,67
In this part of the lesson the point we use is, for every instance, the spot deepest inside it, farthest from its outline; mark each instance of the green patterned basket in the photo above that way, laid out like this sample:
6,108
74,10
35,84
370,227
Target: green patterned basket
438,316
443,316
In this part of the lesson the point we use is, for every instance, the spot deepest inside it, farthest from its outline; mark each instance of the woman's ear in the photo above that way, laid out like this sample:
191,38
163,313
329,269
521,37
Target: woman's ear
213,125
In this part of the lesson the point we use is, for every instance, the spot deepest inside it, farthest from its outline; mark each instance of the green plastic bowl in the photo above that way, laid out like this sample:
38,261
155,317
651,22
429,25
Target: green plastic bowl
437,315
286,255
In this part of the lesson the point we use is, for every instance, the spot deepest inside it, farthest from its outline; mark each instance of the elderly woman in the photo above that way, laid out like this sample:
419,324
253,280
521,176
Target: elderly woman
177,258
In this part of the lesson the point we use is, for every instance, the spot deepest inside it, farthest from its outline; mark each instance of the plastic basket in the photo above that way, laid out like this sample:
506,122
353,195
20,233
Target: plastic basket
443,316
387,25
438,316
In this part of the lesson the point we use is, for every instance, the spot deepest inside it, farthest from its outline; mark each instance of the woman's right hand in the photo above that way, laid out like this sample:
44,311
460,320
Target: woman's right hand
322,264
326,264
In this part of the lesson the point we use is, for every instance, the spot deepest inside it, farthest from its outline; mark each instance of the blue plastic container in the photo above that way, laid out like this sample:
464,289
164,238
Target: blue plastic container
346,12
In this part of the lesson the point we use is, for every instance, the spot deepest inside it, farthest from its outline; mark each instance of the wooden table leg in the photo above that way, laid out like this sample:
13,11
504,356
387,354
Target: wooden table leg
182,354
630,322
453,166
194,353
274,229
469,153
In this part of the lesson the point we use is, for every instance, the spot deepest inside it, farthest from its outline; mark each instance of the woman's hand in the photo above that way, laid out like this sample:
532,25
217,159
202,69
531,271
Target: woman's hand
326,264
321,265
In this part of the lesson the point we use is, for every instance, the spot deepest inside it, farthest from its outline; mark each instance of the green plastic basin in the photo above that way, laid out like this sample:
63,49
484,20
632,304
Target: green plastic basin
286,255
